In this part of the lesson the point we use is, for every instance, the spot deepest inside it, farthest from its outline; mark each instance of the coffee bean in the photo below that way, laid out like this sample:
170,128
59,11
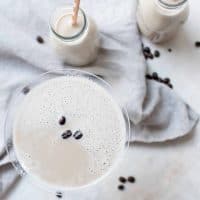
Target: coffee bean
26,90
170,85
62,120
59,194
40,39
156,53
121,187
122,179
78,135
148,55
151,56
166,80
147,49
131,179
67,134
155,76
197,43
148,76
170,50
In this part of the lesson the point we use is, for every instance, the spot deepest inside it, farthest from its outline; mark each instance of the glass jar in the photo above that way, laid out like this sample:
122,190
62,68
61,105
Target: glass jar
159,20
76,45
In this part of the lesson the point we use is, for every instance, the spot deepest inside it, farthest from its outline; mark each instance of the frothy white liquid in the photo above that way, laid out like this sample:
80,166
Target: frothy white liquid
68,162
65,28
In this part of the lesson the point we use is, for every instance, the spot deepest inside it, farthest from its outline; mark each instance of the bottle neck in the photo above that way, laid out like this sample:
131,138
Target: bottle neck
60,14
170,4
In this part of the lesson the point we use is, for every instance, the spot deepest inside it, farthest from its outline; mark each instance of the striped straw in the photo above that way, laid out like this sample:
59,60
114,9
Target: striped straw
75,12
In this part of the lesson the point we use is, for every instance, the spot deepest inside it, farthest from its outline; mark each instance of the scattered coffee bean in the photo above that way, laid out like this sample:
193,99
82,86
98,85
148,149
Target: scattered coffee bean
170,50
160,80
26,90
131,179
121,187
166,80
197,43
170,85
151,56
62,120
78,135
59,194
156,53
67,134
148,55
147,49
155,76
122,179
40,39
148,76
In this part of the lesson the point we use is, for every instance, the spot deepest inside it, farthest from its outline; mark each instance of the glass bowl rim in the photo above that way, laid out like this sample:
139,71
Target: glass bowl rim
35,82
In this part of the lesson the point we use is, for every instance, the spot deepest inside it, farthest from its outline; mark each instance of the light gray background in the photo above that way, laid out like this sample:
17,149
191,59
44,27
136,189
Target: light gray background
164,171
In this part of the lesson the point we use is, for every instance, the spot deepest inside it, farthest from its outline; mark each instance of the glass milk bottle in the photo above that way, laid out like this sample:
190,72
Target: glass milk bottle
159,20
76,45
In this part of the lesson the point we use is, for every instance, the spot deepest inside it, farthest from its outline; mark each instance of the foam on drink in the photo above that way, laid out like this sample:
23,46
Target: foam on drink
87,107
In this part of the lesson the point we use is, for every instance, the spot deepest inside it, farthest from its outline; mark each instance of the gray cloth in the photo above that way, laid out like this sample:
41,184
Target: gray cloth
156,112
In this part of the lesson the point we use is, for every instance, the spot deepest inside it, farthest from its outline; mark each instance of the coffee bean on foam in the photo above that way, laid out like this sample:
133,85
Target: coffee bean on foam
67,134
62,120
26,90
78,135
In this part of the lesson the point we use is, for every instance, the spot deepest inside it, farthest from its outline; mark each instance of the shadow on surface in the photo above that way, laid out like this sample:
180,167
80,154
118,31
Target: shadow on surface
170,143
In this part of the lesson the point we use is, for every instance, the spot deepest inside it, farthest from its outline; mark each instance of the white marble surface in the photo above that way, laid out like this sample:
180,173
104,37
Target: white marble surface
164,171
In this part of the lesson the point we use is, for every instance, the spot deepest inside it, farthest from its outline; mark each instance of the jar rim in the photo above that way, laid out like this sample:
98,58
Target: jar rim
171,5
68,38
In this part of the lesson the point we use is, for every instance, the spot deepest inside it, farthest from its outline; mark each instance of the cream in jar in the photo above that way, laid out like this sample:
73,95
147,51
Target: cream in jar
159,20
76,44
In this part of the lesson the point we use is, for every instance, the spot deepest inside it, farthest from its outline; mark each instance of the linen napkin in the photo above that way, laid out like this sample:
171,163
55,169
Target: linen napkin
156,112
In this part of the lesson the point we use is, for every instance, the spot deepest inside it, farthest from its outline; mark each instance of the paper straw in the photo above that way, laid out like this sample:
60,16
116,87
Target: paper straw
75,12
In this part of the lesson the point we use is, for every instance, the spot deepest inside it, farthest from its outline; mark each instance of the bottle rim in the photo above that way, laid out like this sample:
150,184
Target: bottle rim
164,4
73,37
